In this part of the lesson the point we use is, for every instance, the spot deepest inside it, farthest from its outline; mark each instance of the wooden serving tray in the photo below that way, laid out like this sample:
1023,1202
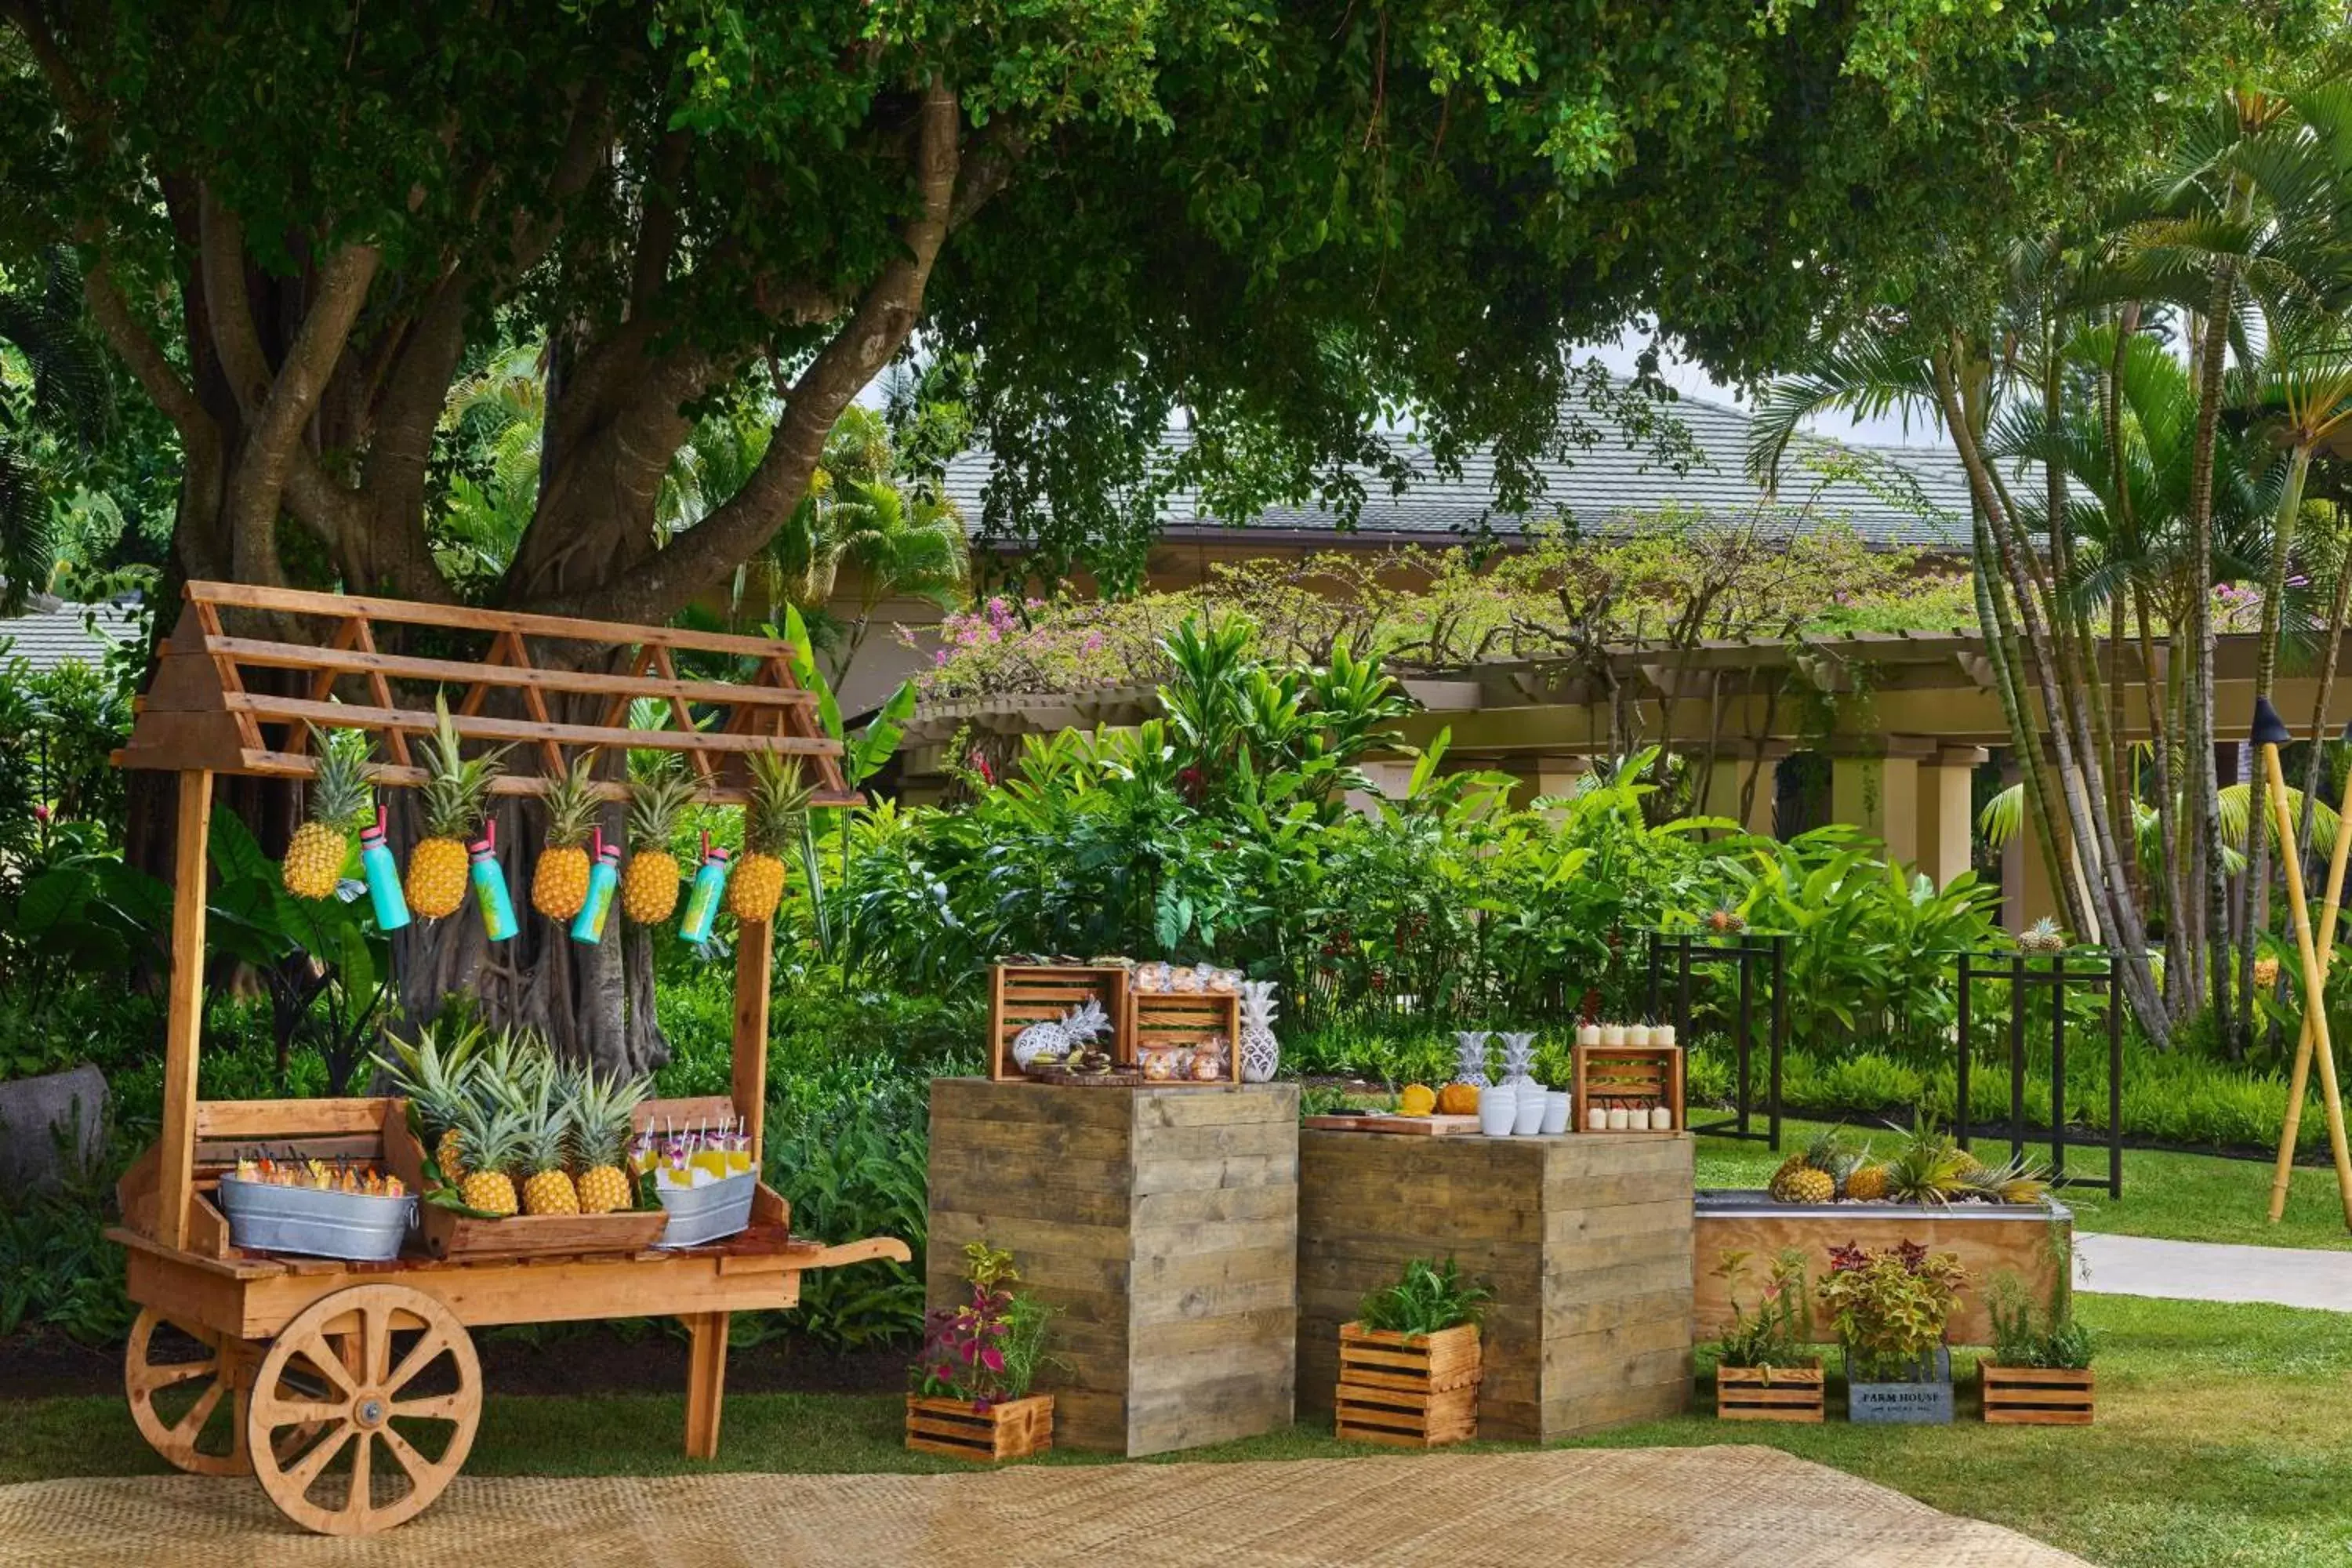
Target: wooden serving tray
451,1235
1408,1126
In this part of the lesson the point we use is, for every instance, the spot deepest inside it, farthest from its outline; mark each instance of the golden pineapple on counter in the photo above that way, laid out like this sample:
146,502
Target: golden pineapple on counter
456,788
771,821
546,1150
339,797
603,1111
559,886
658,790
493,1135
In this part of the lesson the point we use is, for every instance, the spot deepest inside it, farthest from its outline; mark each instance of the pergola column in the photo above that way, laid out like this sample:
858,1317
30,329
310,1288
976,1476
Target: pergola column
1944,815
1874,786
1728,776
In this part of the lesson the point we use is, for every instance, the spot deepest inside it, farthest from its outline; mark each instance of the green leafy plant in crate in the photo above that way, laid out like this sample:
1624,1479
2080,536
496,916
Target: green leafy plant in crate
1427,1299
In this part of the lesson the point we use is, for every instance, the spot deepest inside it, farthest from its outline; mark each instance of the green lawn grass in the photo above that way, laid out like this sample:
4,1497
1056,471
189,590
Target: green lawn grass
2224,1437
2183,1197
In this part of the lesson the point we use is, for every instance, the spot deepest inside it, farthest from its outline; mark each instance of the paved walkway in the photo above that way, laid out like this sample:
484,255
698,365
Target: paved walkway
2212,1271
1729,1507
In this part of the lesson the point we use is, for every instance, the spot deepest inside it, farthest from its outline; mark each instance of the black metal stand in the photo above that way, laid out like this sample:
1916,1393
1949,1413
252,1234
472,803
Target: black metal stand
2022,979
1752,952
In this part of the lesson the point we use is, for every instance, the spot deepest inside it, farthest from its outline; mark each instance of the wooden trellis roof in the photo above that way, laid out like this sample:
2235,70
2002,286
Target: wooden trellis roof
206,709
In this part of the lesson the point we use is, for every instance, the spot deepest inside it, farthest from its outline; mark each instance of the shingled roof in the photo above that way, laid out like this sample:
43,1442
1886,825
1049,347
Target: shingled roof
50,633
1912,497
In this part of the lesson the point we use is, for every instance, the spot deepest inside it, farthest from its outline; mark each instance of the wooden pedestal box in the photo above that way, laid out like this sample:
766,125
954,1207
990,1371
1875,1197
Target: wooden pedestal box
1585,1239
1161,1222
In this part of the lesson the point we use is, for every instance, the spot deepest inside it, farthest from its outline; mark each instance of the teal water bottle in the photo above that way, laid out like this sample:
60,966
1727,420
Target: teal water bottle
588,925
490,884
383,875
702,899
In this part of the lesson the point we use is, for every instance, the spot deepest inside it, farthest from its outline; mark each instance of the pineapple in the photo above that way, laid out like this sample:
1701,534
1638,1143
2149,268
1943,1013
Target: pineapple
1056,1038
1929,1168
1725,921
1519,1056
339,797
1261,1052
658,793
559,886
1470,1057
2042,938
455,790
769,819
1868,1183
492,1134
1798,1183
546,1149
606,1109
439,1083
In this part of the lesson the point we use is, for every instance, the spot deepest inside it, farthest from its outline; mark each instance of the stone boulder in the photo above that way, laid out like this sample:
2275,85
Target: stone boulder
35,1113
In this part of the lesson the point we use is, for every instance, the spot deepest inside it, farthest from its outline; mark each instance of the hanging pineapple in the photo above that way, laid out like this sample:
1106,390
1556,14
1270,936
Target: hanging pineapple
455,787
339,797
770,820
560,885
658,790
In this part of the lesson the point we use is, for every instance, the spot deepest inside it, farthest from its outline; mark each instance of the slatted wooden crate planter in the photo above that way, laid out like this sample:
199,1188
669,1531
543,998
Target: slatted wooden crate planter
1769,1393
1177,1018
953,1429
1644,1074
2036,1395
1408,1391
1020,995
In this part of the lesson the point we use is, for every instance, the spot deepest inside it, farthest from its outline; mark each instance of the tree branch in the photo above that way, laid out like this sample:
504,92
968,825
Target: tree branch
52,60
156,375
220,259
657,223
667,580
258,488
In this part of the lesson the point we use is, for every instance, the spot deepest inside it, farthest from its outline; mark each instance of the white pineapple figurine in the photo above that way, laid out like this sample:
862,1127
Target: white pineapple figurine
1470,1057
1073,1031
1519,1058
1261,1052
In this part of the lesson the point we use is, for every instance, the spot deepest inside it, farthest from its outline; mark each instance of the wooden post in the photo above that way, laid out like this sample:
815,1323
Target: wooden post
754,963
2313,987
706,1384
184,1018
2298,1084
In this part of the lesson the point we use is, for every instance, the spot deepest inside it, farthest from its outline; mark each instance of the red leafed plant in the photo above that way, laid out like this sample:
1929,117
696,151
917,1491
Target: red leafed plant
987,1348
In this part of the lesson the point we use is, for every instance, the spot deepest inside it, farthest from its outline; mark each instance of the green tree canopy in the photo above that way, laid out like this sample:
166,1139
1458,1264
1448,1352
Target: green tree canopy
1292,223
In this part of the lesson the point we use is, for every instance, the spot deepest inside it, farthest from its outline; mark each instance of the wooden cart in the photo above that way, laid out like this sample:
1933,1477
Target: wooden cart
353,1390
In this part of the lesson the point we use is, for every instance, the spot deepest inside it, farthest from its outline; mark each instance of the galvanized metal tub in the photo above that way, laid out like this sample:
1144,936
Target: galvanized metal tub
358,1227
1924,1400
706,1213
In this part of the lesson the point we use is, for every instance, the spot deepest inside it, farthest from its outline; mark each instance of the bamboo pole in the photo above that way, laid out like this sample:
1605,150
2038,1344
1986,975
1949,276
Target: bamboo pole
2269,730
2331,904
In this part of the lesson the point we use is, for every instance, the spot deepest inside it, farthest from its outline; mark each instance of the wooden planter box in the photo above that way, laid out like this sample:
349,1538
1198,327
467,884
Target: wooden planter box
1598,1074
2036,1395
951,1427
447,1234
1409,1391
1020,995
1769,1393
1184,1018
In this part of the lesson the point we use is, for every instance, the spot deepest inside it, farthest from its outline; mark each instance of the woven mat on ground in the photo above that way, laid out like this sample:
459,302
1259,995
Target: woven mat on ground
1712,1508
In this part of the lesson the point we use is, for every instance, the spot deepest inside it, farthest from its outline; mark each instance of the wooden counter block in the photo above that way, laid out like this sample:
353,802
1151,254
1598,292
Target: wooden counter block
1585,1239
1161,1221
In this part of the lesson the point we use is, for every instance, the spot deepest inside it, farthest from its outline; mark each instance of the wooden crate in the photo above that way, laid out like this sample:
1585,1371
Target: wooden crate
1416,1391
1585,1241
2036,1395
1769,1393
1184,1018
1020,995
1641,1073
953,1428
447,1234
1162,1224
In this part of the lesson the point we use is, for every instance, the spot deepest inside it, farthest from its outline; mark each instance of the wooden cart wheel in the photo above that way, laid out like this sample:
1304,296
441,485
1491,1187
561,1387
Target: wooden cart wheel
376,1367
177,1402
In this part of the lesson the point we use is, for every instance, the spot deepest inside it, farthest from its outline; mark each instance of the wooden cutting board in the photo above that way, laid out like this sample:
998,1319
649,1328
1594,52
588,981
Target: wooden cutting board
1410,1126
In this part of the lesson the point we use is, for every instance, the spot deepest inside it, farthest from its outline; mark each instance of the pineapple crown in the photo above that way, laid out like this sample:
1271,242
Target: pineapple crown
658,790
339,796
603,1114
572,805
1257,1001
1085,1021
492,1133
437,1081
547,1130
456,785
778,798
